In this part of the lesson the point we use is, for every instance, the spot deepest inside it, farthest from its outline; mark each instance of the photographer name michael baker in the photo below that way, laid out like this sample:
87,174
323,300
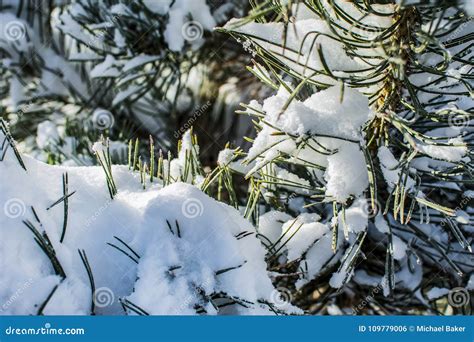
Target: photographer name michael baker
439,328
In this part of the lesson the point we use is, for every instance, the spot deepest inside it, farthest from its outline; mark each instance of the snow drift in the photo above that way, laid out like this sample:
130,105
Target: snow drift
170,250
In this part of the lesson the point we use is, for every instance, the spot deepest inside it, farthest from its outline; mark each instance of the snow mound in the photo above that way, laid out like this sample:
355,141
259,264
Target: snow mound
209,257
170,250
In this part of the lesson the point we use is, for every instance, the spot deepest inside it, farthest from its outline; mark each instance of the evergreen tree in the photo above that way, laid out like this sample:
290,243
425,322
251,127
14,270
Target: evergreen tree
358,179
74,71
367,144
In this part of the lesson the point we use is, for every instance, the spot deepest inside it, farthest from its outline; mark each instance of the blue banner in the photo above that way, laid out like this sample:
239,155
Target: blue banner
241,329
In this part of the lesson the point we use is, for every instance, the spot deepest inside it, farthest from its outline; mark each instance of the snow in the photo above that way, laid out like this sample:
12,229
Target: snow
469,193
160,7
399,248
270,225
470,283
346,173
453,153
225,157
107,68
180,30
363,278
381,224
339,278
307,37
302,233
138,61
436,292
305,238
124,94
323,114
84,56
356,217
187,153
16,92
468,7
318,257
408,278
47,133
71,27
462,217
390,169
98,147
18,40
292,182
299,53
205,247
192,252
